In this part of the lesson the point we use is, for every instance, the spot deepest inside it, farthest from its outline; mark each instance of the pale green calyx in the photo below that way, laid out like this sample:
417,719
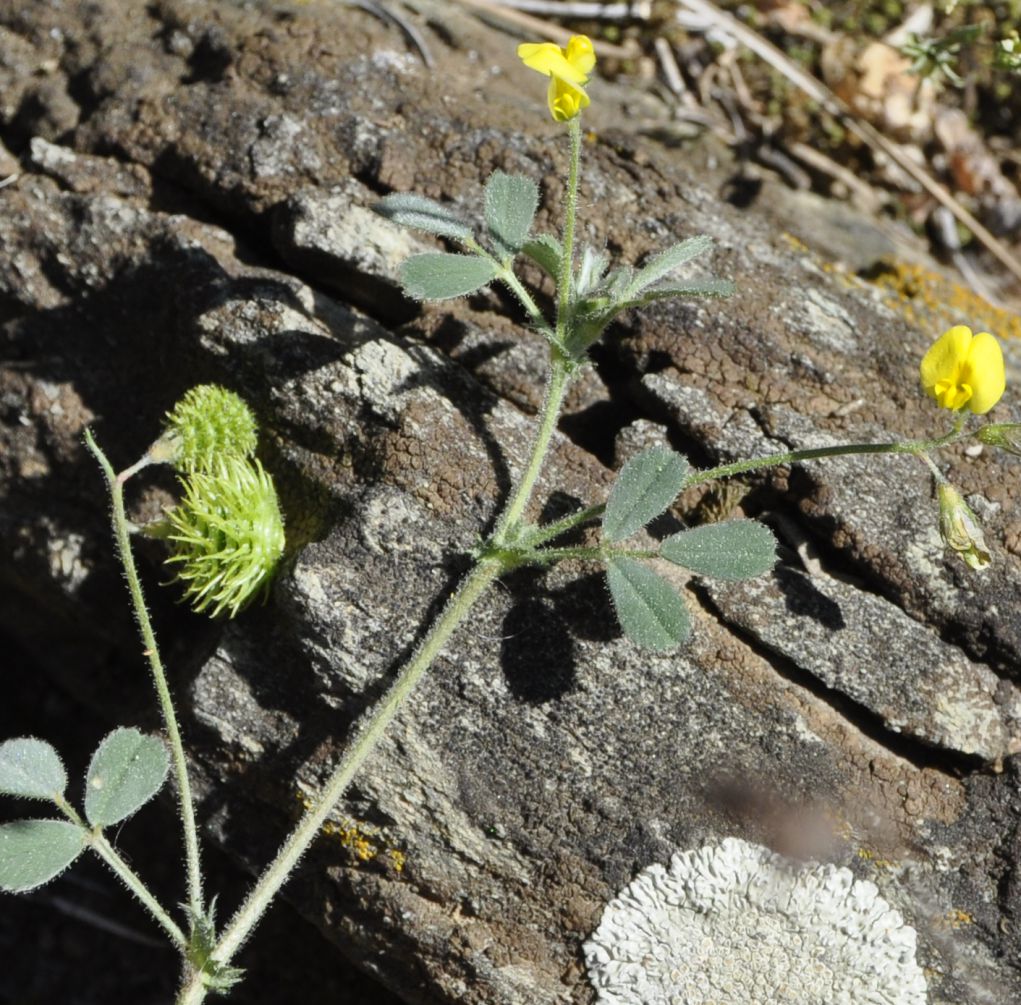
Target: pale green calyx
227,534
209,422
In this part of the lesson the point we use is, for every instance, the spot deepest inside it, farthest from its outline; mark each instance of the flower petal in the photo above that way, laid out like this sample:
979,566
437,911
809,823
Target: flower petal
580,53
565,100
940,364
984,372
545,57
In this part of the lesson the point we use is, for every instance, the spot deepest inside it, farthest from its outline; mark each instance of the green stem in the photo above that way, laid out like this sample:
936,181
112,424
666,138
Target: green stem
917,447
545,556
565,280
123,539
374,724
367,735
549,531
508,277
556,386
124,873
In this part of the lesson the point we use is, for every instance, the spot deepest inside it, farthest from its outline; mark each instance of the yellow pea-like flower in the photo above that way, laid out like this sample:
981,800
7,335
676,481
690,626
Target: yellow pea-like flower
962,370
568,70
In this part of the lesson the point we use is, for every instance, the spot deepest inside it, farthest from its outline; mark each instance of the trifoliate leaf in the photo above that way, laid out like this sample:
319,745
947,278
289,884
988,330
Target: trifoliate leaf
666,261
651,612
33,852
31,768
511,202
441,276
420,213
734,549
126,771
646,485
546,251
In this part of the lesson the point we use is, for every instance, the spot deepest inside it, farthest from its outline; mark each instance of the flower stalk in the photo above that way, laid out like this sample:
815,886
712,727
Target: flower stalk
152,653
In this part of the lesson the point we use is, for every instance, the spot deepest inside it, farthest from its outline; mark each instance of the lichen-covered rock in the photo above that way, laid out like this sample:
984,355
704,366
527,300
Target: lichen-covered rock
182,224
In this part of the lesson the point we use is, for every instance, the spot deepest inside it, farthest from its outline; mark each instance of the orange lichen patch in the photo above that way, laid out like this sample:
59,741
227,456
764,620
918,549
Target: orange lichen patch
932,301
866,855
351,836
361,840
955,919
795,242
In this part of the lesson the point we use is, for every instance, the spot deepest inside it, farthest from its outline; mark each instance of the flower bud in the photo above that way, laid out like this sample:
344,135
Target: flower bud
227,534
959,528
1005,435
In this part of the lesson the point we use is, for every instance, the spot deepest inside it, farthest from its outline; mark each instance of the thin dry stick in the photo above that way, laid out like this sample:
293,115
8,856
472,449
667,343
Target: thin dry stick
826,165
819,92
639,10
671,71
536,26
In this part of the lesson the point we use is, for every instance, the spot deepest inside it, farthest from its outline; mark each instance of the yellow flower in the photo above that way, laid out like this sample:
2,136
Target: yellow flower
568,70
962,370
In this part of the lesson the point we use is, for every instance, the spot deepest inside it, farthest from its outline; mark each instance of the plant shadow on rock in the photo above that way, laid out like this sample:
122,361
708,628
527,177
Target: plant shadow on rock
803,599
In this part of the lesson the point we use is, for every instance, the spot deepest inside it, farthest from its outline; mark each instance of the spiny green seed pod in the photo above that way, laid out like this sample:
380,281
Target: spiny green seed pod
207,423
227,534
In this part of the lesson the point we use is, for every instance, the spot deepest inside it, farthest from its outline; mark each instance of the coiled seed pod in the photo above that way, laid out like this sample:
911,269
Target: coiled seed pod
227,535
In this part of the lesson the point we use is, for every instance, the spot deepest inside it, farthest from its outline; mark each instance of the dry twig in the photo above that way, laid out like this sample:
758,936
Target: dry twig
819,92
536,26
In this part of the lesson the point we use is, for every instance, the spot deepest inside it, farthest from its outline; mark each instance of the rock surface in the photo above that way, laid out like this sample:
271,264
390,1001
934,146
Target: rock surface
193,206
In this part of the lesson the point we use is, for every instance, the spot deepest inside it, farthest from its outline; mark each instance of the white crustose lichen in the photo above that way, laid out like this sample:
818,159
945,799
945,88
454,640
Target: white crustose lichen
734,923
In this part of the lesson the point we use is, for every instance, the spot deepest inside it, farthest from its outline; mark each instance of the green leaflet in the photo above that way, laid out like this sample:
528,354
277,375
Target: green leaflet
646,485
33,852
734,549
510,205
126,771
651,612
420,213
31,768
442,275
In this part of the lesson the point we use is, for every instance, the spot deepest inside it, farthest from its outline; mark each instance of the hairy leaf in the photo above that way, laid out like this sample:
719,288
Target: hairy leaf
33,852
651,612
546,251
683,290
666,261
31,768
511,201
126,771
646,485
442,276
734,549
420,213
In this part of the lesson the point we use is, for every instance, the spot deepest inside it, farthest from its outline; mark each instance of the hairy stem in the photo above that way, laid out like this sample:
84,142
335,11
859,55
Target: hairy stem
373,725
917,447
152,653
556,386
99,844
549,531
565,280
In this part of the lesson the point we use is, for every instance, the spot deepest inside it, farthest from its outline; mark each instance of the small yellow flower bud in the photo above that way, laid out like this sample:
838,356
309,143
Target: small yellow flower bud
568,70
959,528
962,370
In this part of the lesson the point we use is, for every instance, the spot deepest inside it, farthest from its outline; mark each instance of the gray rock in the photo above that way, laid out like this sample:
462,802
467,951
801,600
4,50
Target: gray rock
543,761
